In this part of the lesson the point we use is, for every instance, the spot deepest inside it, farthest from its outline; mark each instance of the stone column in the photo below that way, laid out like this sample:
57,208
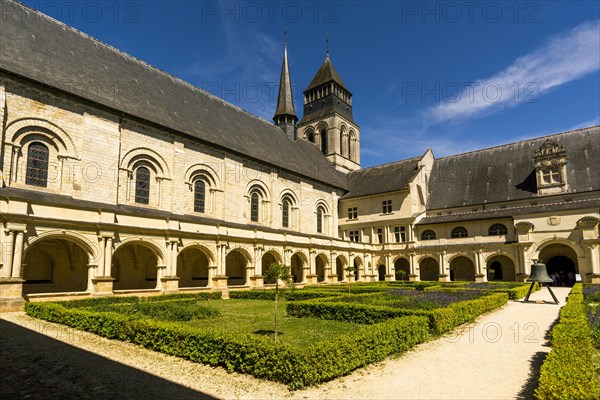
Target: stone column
413,276
103,282
18,256
594,262
481,275
220,279
329,275
257,279
169,282
311,276
389,267
444,277
8,255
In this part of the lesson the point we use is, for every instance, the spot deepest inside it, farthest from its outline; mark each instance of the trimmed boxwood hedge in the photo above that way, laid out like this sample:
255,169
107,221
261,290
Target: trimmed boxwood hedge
568,371
513,293
250,354
440,320
302,294
99,301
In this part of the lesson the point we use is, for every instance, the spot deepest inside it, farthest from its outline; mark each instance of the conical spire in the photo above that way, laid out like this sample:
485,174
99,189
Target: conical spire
285,100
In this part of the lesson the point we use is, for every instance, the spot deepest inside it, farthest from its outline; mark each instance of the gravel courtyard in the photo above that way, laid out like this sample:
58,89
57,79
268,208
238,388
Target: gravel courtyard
496,357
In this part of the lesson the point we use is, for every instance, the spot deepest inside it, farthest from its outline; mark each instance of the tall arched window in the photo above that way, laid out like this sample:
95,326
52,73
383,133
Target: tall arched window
254,211
142,185
350,155
37,165
324,141
320,220
428,235
285,213
310,136
497,230
199,195
459,232
342,144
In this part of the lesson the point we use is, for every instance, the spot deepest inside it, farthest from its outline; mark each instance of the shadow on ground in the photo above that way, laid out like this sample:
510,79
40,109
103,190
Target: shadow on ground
35,366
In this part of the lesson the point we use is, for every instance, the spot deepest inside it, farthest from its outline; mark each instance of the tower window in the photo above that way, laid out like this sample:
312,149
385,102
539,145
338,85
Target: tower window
285,213
459,232
142,185
254,206
310,136
199,195
37,165
387,206
324,141
428,235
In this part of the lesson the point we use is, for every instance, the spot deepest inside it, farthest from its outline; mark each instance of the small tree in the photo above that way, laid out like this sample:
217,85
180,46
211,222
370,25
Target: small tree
350,271
278,273
400,273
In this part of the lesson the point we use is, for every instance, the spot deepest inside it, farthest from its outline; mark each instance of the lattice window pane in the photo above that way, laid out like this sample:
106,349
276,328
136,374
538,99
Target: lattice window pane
142,186
37,165
254,207
199,195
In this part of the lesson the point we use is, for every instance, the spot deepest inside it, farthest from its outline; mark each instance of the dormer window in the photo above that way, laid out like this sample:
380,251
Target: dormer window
551,168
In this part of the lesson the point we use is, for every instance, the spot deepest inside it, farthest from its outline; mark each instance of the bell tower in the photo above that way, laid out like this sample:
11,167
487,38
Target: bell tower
327,119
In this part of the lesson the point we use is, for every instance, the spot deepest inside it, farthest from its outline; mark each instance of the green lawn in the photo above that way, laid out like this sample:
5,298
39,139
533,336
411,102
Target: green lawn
256,316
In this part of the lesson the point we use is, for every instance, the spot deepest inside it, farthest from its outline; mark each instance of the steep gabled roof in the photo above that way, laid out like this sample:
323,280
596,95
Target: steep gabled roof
507,172
382,178
326,74
41,49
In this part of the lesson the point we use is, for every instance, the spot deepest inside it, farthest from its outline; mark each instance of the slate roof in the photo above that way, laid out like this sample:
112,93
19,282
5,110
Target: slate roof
507,172
382,178
509,212
44,50
326,74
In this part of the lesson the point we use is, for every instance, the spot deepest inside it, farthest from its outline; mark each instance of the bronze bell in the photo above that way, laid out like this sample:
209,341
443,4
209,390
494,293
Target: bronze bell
539,273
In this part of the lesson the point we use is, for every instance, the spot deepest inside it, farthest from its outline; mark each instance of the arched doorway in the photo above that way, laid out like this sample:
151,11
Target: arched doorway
235,268
462,269
266,261
429,269
402,267
321,264
297,267
340,268
500,268
134,267
192,268
561,263
381,272
54,266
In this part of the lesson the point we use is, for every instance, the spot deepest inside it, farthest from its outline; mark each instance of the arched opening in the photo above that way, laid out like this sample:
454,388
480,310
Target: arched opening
54,266
37,165
459,232
266,261
381,272
500,268
358,265
321,264
235,268
340,268
199,196
324,148
429,269
192,268
297,267
142,185
134,267
462,269
561,263
402,267
320,214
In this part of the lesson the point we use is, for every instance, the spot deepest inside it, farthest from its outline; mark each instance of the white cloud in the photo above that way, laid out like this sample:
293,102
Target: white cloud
563,59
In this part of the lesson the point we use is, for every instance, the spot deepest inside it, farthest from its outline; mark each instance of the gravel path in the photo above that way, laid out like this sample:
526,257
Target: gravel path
496,357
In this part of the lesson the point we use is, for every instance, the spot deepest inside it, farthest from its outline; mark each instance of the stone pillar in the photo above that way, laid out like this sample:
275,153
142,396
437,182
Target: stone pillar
17,256
329,275
443,277
8,255
219,281
103,282
108,257
481,275
389,267
524,267
594,262
311,276
413,276
168,280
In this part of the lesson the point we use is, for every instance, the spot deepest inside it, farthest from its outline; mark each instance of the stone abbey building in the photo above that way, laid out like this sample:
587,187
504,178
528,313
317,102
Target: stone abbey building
120,178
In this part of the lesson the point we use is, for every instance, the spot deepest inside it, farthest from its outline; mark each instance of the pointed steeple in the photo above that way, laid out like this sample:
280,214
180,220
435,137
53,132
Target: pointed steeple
285,115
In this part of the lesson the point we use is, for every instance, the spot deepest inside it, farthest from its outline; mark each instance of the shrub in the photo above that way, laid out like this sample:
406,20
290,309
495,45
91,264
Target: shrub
173,310
249,354
568,371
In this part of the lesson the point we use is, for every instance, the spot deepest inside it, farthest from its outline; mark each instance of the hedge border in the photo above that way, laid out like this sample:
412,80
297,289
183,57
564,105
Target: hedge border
440,320
246,353
568,371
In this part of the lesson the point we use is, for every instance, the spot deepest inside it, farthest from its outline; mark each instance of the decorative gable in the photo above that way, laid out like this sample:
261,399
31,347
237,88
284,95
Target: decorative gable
551,168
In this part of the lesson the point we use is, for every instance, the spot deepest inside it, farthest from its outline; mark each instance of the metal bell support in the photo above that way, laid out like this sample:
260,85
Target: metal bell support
539,274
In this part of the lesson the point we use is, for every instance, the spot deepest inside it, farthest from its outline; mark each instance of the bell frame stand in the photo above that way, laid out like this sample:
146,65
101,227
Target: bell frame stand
529,294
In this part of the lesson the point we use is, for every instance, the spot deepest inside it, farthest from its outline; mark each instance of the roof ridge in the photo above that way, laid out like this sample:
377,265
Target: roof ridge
517,207
390,163
520,141
140,61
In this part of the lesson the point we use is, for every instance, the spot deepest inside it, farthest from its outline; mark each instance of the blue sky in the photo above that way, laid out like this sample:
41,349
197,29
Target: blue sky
453,76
